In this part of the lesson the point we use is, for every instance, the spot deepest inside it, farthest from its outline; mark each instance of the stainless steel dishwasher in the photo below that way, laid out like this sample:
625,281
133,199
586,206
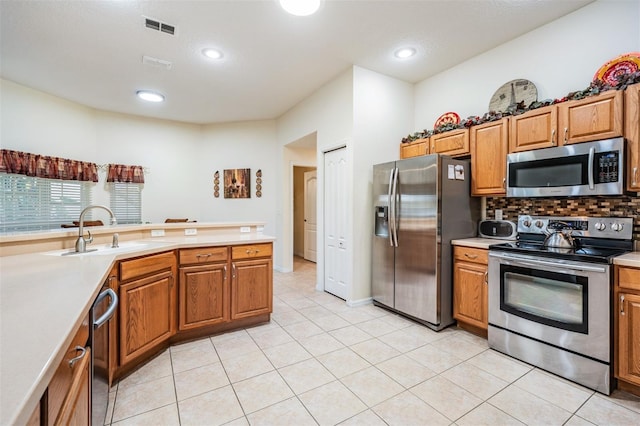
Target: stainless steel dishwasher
103,310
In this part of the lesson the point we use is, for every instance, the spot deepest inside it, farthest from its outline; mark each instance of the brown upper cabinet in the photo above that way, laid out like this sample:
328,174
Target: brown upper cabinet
593,118
534,129
414,149
632,134
454,143
584,120
489,146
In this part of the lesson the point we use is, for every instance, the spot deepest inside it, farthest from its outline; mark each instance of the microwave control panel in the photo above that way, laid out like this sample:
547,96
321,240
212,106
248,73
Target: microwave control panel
607,167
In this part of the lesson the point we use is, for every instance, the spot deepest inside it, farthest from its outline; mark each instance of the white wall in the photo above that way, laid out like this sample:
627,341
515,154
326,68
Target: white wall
169,150
329,113
558,58
181,158
383,108
244,145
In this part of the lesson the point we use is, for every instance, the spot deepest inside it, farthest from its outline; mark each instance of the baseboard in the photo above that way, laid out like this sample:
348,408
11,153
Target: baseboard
282,269
360,302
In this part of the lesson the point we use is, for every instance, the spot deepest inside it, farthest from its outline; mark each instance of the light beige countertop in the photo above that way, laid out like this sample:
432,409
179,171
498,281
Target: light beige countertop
44,297
630,259
477,242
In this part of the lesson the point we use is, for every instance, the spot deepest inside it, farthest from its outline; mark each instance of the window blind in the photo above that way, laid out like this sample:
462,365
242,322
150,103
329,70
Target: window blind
126,202
31,203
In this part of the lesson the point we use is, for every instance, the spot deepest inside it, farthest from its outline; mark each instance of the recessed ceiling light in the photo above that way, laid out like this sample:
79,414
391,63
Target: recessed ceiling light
150,96
301,7
405,52
212,53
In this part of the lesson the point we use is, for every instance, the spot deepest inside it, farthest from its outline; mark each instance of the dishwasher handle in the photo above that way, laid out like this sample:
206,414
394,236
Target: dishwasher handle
97,323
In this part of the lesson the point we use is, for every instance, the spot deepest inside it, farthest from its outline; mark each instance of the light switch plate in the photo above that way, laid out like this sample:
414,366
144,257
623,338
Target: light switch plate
190,231
260,228
245,229
157,232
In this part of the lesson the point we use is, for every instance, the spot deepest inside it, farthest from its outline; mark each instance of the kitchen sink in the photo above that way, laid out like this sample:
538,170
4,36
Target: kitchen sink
106,249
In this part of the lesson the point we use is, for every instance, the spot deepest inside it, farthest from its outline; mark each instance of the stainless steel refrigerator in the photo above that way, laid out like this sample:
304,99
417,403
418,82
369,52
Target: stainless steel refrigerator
420,204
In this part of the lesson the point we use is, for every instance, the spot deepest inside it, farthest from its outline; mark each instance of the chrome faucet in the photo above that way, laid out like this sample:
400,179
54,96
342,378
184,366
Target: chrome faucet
81,242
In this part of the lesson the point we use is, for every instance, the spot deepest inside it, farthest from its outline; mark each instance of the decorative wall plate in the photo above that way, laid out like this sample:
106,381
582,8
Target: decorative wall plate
447,118
513,92
623,64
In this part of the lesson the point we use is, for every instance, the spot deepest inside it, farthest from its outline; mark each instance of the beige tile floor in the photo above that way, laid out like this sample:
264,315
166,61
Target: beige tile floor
321,362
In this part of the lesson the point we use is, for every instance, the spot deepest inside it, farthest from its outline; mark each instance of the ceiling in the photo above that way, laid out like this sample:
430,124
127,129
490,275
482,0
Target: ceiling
90,52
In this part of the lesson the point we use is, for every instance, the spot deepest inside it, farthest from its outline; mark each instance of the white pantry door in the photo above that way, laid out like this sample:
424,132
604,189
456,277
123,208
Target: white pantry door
310,216
335,222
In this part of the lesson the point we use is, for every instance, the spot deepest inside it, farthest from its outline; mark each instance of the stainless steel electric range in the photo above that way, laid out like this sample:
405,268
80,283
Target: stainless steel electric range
550,295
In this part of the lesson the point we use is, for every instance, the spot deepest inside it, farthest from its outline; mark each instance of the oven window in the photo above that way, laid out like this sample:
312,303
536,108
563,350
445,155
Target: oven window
557,300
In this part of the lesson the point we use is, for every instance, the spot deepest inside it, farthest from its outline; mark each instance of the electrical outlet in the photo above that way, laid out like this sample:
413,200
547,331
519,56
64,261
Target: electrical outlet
245,229
498,214
190,231
157,232
260,228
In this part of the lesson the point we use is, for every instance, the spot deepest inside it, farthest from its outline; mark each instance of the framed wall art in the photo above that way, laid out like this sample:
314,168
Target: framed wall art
237,183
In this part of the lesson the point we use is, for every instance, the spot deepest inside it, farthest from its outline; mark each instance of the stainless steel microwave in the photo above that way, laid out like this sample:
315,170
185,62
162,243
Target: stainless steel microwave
590,168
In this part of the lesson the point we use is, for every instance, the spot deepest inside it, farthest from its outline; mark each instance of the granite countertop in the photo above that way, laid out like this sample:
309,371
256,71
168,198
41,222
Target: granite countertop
44,298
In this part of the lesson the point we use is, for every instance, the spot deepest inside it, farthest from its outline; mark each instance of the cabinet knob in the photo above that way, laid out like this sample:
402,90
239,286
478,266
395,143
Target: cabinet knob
471,256
622,304
566,135
486,277
553,136
634,181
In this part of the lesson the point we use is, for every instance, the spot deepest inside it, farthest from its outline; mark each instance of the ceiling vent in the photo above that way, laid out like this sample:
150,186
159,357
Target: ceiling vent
156,25
157,63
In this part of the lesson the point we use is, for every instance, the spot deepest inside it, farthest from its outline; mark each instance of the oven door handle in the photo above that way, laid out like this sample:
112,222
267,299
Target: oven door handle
535,263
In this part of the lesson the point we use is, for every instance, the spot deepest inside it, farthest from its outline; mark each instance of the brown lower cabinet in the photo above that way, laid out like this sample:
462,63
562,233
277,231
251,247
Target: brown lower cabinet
627,328
184,294
203,287
470,292
67,400
147,304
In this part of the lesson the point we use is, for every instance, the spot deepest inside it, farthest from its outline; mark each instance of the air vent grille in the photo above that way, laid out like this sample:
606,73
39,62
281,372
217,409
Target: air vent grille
154,24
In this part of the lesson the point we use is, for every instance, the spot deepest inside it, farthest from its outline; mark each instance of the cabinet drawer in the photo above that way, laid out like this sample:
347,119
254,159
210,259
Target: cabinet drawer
62,379
146,265
471,254
203,255
628,278
251,250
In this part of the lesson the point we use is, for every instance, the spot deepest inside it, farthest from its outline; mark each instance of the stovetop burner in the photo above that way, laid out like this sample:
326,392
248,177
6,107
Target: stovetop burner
585,254
596,240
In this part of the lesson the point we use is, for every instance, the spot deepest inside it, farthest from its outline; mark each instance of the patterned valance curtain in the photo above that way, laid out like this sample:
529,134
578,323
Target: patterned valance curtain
24,163
128,174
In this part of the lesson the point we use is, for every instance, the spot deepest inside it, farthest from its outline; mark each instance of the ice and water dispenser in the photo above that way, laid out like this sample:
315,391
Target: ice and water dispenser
382,221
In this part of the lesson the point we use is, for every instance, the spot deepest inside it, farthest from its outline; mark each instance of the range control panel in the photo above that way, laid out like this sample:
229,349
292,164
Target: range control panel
619,228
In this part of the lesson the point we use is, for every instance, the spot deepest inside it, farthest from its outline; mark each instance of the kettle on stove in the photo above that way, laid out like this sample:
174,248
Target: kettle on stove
559,237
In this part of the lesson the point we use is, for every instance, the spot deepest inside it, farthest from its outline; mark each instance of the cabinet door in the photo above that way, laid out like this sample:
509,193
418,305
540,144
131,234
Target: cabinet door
632,135
251,288
415,148
77,407
470,293
534,129
203,296
454,142
590,119
489,146
629,337
147,314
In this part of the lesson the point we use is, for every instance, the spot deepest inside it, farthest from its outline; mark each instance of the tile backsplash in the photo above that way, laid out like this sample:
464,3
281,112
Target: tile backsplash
622,206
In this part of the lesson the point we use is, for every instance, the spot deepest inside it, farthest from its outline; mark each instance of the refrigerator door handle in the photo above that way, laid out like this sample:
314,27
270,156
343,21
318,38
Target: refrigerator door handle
394,208
390,200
